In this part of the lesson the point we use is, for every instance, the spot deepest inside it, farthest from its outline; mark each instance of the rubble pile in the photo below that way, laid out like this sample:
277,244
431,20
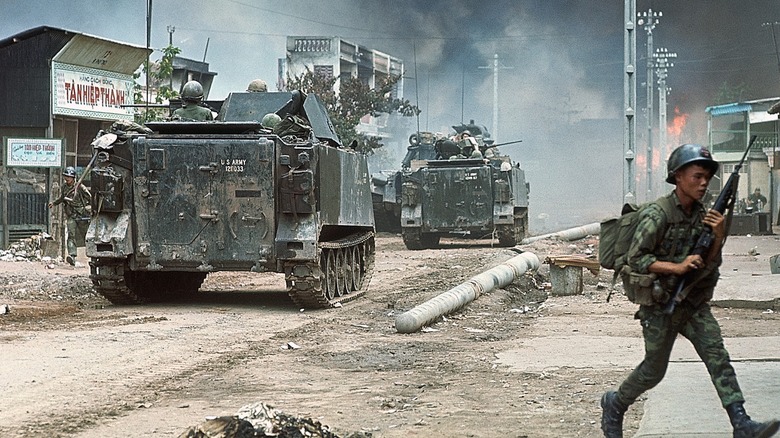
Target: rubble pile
261,420
29,249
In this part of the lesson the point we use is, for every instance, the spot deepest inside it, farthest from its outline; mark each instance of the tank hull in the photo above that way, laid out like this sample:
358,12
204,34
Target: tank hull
230,195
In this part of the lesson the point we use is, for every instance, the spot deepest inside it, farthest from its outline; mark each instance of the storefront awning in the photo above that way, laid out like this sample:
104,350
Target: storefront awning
98,53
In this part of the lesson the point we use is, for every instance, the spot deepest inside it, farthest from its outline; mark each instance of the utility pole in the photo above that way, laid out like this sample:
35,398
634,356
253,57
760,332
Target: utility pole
662,64
148,44
774,41
649,19
494,131
629,100
171,30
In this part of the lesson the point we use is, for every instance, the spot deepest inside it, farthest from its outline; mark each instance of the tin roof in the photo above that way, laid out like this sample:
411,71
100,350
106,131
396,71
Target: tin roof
741,107
730,108
88,51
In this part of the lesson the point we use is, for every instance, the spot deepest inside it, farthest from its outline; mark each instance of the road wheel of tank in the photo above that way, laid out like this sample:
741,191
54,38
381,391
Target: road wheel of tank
358,266
311,284
349,269
330,287
111,279
341,273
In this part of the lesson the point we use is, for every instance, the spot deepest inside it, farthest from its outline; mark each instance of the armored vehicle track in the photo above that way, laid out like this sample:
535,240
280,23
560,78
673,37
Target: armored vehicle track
342,274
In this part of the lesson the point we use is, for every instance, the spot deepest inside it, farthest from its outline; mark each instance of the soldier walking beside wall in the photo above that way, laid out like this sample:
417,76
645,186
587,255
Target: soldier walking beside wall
77,209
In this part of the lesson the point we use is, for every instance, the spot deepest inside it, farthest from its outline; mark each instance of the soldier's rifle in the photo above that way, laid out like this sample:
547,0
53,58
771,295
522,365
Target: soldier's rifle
102,140
725,201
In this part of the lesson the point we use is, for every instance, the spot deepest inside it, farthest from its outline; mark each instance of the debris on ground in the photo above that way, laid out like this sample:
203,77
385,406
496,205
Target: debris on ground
261,420
33,248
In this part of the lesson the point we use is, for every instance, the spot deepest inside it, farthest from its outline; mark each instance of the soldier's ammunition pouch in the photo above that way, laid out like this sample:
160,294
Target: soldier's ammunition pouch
643,289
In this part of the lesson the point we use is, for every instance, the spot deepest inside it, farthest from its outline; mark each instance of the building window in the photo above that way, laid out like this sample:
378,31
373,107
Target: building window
728,168
323,70
312,45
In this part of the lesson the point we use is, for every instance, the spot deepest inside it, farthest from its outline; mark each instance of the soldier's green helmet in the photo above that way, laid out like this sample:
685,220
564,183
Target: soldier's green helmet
69,171
192,91
270,120
689,154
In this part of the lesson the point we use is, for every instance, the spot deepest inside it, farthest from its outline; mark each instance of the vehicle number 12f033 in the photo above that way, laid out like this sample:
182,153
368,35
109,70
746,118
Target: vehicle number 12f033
234,165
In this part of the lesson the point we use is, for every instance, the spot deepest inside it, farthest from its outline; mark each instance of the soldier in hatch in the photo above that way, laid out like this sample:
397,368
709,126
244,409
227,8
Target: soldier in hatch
257,86
192,111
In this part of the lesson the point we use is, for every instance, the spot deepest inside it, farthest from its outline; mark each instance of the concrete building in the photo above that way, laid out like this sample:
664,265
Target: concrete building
57,89
730,128
335,57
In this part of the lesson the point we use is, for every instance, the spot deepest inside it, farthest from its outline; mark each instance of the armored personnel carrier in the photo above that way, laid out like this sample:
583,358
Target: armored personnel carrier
466,189
174,201
386,184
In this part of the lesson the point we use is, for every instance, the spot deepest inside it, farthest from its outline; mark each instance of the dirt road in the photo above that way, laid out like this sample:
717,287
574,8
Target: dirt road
73,365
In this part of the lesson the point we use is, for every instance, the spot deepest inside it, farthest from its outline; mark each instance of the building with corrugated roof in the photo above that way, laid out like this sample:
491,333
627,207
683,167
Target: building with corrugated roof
58,88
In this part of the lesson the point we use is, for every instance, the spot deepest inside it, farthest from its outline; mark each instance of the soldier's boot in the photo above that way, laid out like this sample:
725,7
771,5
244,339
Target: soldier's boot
612,415
744,427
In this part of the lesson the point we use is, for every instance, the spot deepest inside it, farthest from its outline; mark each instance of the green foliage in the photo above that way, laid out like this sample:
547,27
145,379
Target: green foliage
159,73
354,101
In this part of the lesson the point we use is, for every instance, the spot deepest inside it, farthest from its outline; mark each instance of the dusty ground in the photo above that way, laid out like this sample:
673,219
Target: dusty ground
73,365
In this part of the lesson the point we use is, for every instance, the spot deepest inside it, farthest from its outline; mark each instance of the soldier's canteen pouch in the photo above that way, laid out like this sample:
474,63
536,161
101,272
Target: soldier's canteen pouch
642,289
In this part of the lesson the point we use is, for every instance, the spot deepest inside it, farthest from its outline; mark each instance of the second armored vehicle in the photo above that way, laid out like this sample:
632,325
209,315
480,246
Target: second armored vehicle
467,189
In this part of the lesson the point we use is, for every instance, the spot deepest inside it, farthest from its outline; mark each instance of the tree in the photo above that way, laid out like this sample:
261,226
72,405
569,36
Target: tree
354,101
159,74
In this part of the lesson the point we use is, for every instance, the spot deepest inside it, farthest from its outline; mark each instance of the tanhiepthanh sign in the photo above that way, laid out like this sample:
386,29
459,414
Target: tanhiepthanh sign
91,93
34,152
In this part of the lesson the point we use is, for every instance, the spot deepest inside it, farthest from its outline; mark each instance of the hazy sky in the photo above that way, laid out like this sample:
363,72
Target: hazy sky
561,88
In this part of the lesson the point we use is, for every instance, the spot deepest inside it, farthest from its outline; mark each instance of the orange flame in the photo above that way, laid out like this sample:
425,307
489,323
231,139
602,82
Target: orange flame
678,123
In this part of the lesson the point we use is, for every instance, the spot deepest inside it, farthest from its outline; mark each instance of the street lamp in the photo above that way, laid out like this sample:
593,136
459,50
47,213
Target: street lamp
649,20
662,63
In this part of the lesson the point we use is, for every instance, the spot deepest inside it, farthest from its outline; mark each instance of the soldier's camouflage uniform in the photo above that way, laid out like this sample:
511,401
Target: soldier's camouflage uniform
77,211
192,112
659,238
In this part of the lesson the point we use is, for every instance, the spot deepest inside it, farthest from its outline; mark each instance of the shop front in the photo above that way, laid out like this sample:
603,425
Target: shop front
58,88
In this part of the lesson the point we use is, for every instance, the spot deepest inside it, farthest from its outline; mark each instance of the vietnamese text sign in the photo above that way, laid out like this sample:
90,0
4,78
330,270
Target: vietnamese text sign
34,152
93,93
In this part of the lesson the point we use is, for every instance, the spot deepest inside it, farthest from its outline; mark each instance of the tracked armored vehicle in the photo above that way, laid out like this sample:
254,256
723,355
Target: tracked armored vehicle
386,184
174,201
463,192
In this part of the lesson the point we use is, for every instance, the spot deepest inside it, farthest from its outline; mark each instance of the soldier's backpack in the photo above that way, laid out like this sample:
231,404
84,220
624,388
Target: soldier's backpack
293,125
617,232
615,237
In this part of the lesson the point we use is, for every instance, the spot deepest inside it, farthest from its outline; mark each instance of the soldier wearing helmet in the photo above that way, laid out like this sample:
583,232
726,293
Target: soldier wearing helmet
756,200
192,111
257,86
76,201
659,255
270,120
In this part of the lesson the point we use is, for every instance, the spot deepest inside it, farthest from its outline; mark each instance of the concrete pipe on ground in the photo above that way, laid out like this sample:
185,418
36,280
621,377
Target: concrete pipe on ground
568,235
457,297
